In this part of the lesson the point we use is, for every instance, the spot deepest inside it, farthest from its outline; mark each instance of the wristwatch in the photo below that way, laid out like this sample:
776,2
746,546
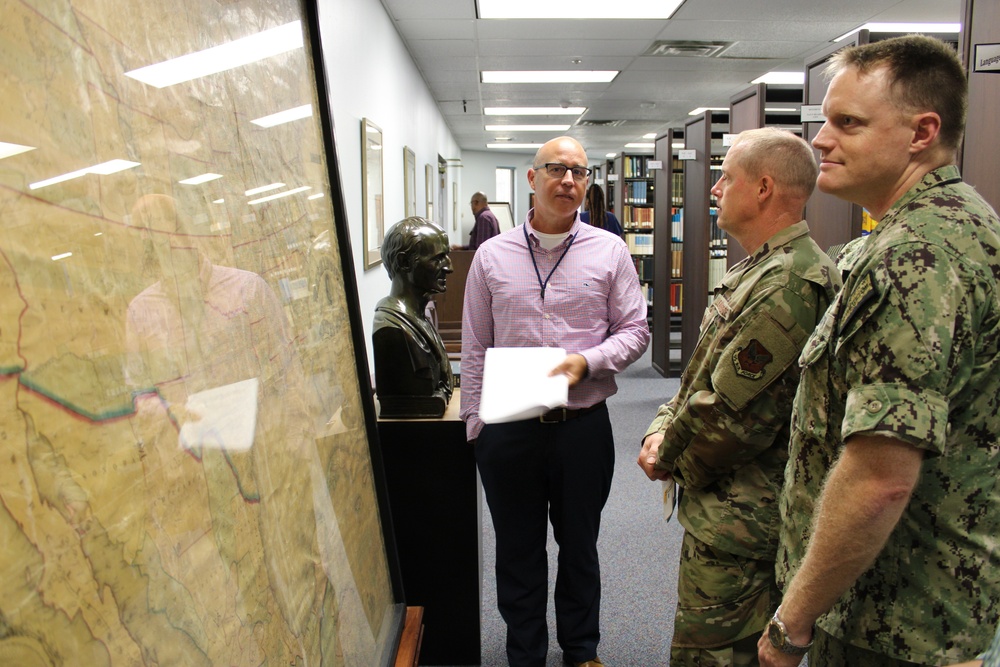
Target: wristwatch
777,634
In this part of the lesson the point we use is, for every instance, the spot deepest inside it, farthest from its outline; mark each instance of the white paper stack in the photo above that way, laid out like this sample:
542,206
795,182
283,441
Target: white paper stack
516,383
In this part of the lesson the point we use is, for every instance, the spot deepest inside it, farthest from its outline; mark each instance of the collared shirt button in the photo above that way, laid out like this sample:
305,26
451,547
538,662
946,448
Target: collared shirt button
546,316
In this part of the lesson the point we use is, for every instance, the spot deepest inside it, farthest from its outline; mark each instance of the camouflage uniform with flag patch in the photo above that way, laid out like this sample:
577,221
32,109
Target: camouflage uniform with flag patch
910,349
726,436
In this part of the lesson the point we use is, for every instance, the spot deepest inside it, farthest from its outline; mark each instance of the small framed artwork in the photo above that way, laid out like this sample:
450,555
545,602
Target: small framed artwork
429,187
372,195
409,182
503,214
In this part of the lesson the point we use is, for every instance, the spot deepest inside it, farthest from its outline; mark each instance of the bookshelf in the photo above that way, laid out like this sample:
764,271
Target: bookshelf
635,207
668,244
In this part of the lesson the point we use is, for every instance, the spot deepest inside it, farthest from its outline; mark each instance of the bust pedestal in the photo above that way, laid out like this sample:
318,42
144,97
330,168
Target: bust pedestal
434,496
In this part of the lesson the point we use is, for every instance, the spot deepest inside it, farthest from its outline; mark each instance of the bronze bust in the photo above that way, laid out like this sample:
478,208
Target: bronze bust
413,376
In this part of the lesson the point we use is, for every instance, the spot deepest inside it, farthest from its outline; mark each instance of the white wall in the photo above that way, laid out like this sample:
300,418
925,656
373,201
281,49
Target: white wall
479,174
371,75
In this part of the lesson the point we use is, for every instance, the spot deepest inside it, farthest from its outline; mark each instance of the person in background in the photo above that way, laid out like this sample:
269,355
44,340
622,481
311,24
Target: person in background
595,209
724,435
552,281
890,508
485,227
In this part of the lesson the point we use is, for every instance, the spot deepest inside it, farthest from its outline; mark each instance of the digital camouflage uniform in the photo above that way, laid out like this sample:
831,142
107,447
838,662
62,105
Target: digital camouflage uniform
726,437
910,349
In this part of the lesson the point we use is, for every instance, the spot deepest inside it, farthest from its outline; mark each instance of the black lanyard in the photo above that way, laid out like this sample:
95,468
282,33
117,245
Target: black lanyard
538,273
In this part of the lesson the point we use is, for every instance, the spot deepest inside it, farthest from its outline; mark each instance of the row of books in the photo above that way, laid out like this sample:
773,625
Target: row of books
639,244
634,216
644,267
637,192
635,166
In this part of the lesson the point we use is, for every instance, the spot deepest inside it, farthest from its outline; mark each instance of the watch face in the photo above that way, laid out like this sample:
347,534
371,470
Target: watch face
775,635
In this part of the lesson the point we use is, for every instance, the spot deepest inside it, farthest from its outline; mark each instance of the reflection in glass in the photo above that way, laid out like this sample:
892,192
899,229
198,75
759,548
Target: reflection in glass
186,475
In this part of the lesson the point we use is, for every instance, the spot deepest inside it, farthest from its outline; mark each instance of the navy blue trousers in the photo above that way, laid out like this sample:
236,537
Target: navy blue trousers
533,472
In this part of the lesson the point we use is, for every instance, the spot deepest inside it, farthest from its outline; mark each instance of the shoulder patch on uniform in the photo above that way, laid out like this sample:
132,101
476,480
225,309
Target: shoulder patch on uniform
752,360
863,292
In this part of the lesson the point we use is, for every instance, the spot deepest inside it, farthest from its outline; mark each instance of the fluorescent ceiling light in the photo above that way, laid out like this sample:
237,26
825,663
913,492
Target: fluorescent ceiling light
780,109
677,144
904,28
286,116
56,258
8,150
582,9
651,135
513,145
102,169
198,180
526,128
549,76
610,154
263,188
315,196
534,111
221,58
286,193
701,110
781,77
639,144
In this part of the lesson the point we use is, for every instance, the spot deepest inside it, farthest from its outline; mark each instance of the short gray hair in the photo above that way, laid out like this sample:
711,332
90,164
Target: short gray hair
783,156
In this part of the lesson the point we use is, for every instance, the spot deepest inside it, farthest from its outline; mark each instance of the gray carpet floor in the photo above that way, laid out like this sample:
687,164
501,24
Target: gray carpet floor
639,550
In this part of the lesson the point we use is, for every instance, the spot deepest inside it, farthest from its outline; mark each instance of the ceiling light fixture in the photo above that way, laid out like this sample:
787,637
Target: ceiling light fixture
513,145
286,193
263,188
102,169
198,180
221,58
549,76
904,28
701,110
640,144
534,111
782,77
526,128
582,9
9,150
286,116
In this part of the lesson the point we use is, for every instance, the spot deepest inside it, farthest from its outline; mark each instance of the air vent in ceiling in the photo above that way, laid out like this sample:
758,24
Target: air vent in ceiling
686,49
599,123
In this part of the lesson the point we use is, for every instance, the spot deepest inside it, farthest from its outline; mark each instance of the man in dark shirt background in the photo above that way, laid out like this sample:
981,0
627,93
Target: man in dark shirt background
486,225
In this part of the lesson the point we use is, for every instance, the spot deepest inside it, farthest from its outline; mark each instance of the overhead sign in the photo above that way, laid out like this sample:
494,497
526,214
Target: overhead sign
987,58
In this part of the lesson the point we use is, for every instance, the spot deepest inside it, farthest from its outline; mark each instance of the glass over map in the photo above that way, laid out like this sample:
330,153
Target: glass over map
186,477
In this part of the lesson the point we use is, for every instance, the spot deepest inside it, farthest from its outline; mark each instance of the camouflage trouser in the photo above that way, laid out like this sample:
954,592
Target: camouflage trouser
828,651
723,603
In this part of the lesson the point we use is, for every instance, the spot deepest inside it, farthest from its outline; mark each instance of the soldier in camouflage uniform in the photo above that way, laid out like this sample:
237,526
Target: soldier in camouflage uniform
890,508
724,436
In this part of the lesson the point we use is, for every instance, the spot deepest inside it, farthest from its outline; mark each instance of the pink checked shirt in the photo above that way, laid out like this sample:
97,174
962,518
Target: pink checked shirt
593,306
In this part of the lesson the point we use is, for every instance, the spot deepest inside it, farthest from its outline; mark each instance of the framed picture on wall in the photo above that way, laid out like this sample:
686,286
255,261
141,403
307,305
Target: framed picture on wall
409,182
429,187
501,210
372,194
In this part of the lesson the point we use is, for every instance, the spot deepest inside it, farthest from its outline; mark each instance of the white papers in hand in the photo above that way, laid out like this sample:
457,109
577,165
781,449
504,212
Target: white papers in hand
516,383
222,417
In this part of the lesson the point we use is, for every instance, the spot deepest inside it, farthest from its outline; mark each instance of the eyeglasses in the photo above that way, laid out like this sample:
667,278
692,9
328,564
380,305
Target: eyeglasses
558,170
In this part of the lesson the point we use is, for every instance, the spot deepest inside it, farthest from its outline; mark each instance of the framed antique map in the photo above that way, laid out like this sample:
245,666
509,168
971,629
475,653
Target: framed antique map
190,472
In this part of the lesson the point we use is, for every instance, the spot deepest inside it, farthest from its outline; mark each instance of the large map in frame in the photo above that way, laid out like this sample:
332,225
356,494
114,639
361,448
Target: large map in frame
185,474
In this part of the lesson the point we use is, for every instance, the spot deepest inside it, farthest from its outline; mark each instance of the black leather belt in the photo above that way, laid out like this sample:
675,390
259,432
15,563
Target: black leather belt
565,414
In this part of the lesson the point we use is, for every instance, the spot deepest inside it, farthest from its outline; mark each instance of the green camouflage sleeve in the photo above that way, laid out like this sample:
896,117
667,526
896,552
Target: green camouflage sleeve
748,400
906,335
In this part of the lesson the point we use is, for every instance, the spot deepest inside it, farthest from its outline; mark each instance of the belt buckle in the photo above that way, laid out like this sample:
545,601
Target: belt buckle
542,418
